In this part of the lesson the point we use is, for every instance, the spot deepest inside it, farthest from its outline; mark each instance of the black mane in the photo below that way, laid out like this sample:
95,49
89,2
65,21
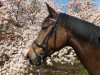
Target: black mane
79,27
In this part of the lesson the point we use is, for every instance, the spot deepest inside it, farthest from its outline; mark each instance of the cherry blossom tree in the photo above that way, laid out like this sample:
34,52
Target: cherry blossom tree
85,10
21,18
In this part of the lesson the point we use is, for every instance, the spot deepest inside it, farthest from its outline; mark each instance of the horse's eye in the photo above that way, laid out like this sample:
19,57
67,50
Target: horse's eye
44,28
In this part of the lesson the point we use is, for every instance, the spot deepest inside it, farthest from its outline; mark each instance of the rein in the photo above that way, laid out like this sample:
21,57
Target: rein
44,44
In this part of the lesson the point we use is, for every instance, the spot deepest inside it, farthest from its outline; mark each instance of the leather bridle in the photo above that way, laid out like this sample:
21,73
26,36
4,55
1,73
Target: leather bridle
44,43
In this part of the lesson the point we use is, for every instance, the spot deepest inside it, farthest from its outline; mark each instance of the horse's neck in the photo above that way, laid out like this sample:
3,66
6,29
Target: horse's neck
88,54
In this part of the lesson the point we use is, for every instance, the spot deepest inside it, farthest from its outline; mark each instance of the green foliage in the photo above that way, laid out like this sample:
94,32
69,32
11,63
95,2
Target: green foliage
67,69
82,71
53,73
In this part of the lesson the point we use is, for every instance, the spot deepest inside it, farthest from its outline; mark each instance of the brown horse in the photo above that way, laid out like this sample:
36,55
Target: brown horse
59,30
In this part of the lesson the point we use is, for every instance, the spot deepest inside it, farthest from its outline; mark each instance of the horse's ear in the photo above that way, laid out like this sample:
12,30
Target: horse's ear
51,11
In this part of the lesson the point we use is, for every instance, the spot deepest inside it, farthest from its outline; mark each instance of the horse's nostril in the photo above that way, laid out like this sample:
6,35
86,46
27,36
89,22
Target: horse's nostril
27,56
30,61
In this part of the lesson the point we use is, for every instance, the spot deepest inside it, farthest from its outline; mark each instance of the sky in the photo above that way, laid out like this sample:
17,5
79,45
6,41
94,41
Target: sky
66,1
98,3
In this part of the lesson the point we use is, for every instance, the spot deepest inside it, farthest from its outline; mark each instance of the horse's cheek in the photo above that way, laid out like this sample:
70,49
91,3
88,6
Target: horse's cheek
61,38
51,43
59,42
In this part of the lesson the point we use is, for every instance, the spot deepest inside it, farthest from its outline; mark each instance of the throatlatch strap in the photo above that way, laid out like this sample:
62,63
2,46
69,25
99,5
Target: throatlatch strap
55,33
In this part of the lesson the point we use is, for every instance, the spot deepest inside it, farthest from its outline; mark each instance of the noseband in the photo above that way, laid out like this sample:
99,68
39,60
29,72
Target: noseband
44,43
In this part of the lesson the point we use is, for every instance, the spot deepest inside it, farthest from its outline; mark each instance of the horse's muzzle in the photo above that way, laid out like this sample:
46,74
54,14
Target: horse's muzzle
36,61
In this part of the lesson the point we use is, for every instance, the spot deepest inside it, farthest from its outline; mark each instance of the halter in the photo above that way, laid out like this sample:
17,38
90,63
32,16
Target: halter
44,43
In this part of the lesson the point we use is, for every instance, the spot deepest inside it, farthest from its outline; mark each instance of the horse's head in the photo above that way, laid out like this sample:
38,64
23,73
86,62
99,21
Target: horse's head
51,38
